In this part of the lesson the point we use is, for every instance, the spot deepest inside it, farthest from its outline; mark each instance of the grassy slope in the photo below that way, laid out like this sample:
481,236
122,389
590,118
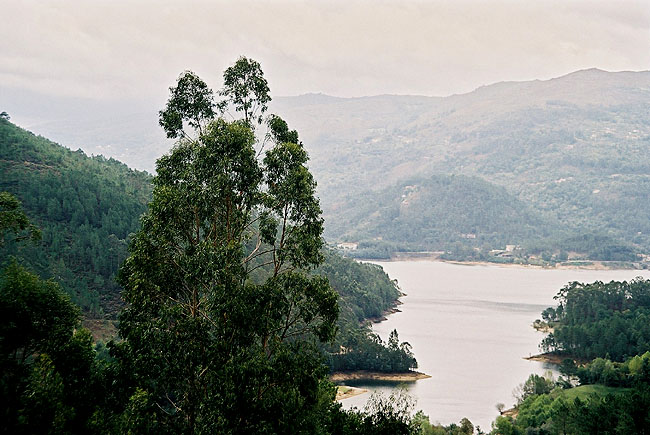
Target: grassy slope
584,391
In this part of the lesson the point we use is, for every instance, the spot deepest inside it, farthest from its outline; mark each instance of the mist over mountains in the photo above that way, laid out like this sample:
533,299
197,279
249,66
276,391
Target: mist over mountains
572,149
564,159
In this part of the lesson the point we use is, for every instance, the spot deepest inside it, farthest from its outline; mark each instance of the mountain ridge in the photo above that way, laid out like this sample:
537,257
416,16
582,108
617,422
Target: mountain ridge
575,148
577,73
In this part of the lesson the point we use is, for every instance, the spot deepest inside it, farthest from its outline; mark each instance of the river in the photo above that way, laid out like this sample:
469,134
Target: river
470,327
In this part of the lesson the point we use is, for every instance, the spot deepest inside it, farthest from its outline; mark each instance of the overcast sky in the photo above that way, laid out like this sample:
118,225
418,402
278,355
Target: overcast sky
119,50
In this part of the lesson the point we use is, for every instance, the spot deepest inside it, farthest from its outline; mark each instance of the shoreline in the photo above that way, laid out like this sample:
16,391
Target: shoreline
594,265
547,358
345,392
387,312
364,375
512,412
554,358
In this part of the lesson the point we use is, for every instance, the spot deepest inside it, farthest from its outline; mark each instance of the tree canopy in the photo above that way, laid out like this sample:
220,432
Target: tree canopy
190,101
45,357
214,349
246,89
84,207
13,219
228,321
601,319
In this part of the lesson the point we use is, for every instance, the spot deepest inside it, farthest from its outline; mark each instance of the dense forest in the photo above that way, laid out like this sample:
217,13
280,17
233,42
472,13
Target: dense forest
365,292
468,218
452,213
225,315
86,207
602,330
600,319
549,407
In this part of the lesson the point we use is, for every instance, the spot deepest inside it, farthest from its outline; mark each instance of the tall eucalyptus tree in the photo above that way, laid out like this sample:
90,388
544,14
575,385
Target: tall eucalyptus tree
222,319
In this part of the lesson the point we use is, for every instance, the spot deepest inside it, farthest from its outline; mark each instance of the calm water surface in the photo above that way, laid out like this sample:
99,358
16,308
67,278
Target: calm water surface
470,327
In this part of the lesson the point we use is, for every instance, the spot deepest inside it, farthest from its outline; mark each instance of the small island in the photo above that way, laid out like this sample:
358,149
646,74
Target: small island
363,375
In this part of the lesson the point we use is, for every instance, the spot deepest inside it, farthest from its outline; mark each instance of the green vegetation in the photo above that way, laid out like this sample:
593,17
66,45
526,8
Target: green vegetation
48,370
358,349
213,350
605,323
469,219
601,320
13,219
225,318
365,292
46,360
86,207
462,215
605,373
89,206
423,426
580,410
583,392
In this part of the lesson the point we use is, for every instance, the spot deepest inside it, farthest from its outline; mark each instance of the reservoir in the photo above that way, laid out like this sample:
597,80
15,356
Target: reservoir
470,328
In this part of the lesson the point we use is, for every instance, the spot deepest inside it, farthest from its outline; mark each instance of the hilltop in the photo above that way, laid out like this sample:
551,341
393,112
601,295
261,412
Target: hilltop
573,149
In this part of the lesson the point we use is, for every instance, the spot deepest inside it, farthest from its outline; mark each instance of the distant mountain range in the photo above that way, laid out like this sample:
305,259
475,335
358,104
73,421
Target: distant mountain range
573,153
551,166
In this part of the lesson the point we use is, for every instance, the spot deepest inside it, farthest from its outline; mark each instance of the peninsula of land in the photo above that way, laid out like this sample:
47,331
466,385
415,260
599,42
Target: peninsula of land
345,392
363,375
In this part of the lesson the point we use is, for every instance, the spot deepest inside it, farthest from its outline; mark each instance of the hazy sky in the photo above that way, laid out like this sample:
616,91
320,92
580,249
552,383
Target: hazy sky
135,50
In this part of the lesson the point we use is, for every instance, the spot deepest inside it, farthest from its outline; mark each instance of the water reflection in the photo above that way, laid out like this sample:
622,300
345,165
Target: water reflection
470,328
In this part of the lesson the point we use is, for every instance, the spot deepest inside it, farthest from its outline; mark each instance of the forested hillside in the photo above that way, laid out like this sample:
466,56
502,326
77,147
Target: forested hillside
215,335
601,320
455,213
574,149
365,290
86,208
601,331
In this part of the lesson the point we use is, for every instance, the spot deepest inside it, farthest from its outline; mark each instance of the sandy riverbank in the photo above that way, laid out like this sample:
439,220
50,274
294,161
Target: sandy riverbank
579,265
593,265
512,412
362,375
345,392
